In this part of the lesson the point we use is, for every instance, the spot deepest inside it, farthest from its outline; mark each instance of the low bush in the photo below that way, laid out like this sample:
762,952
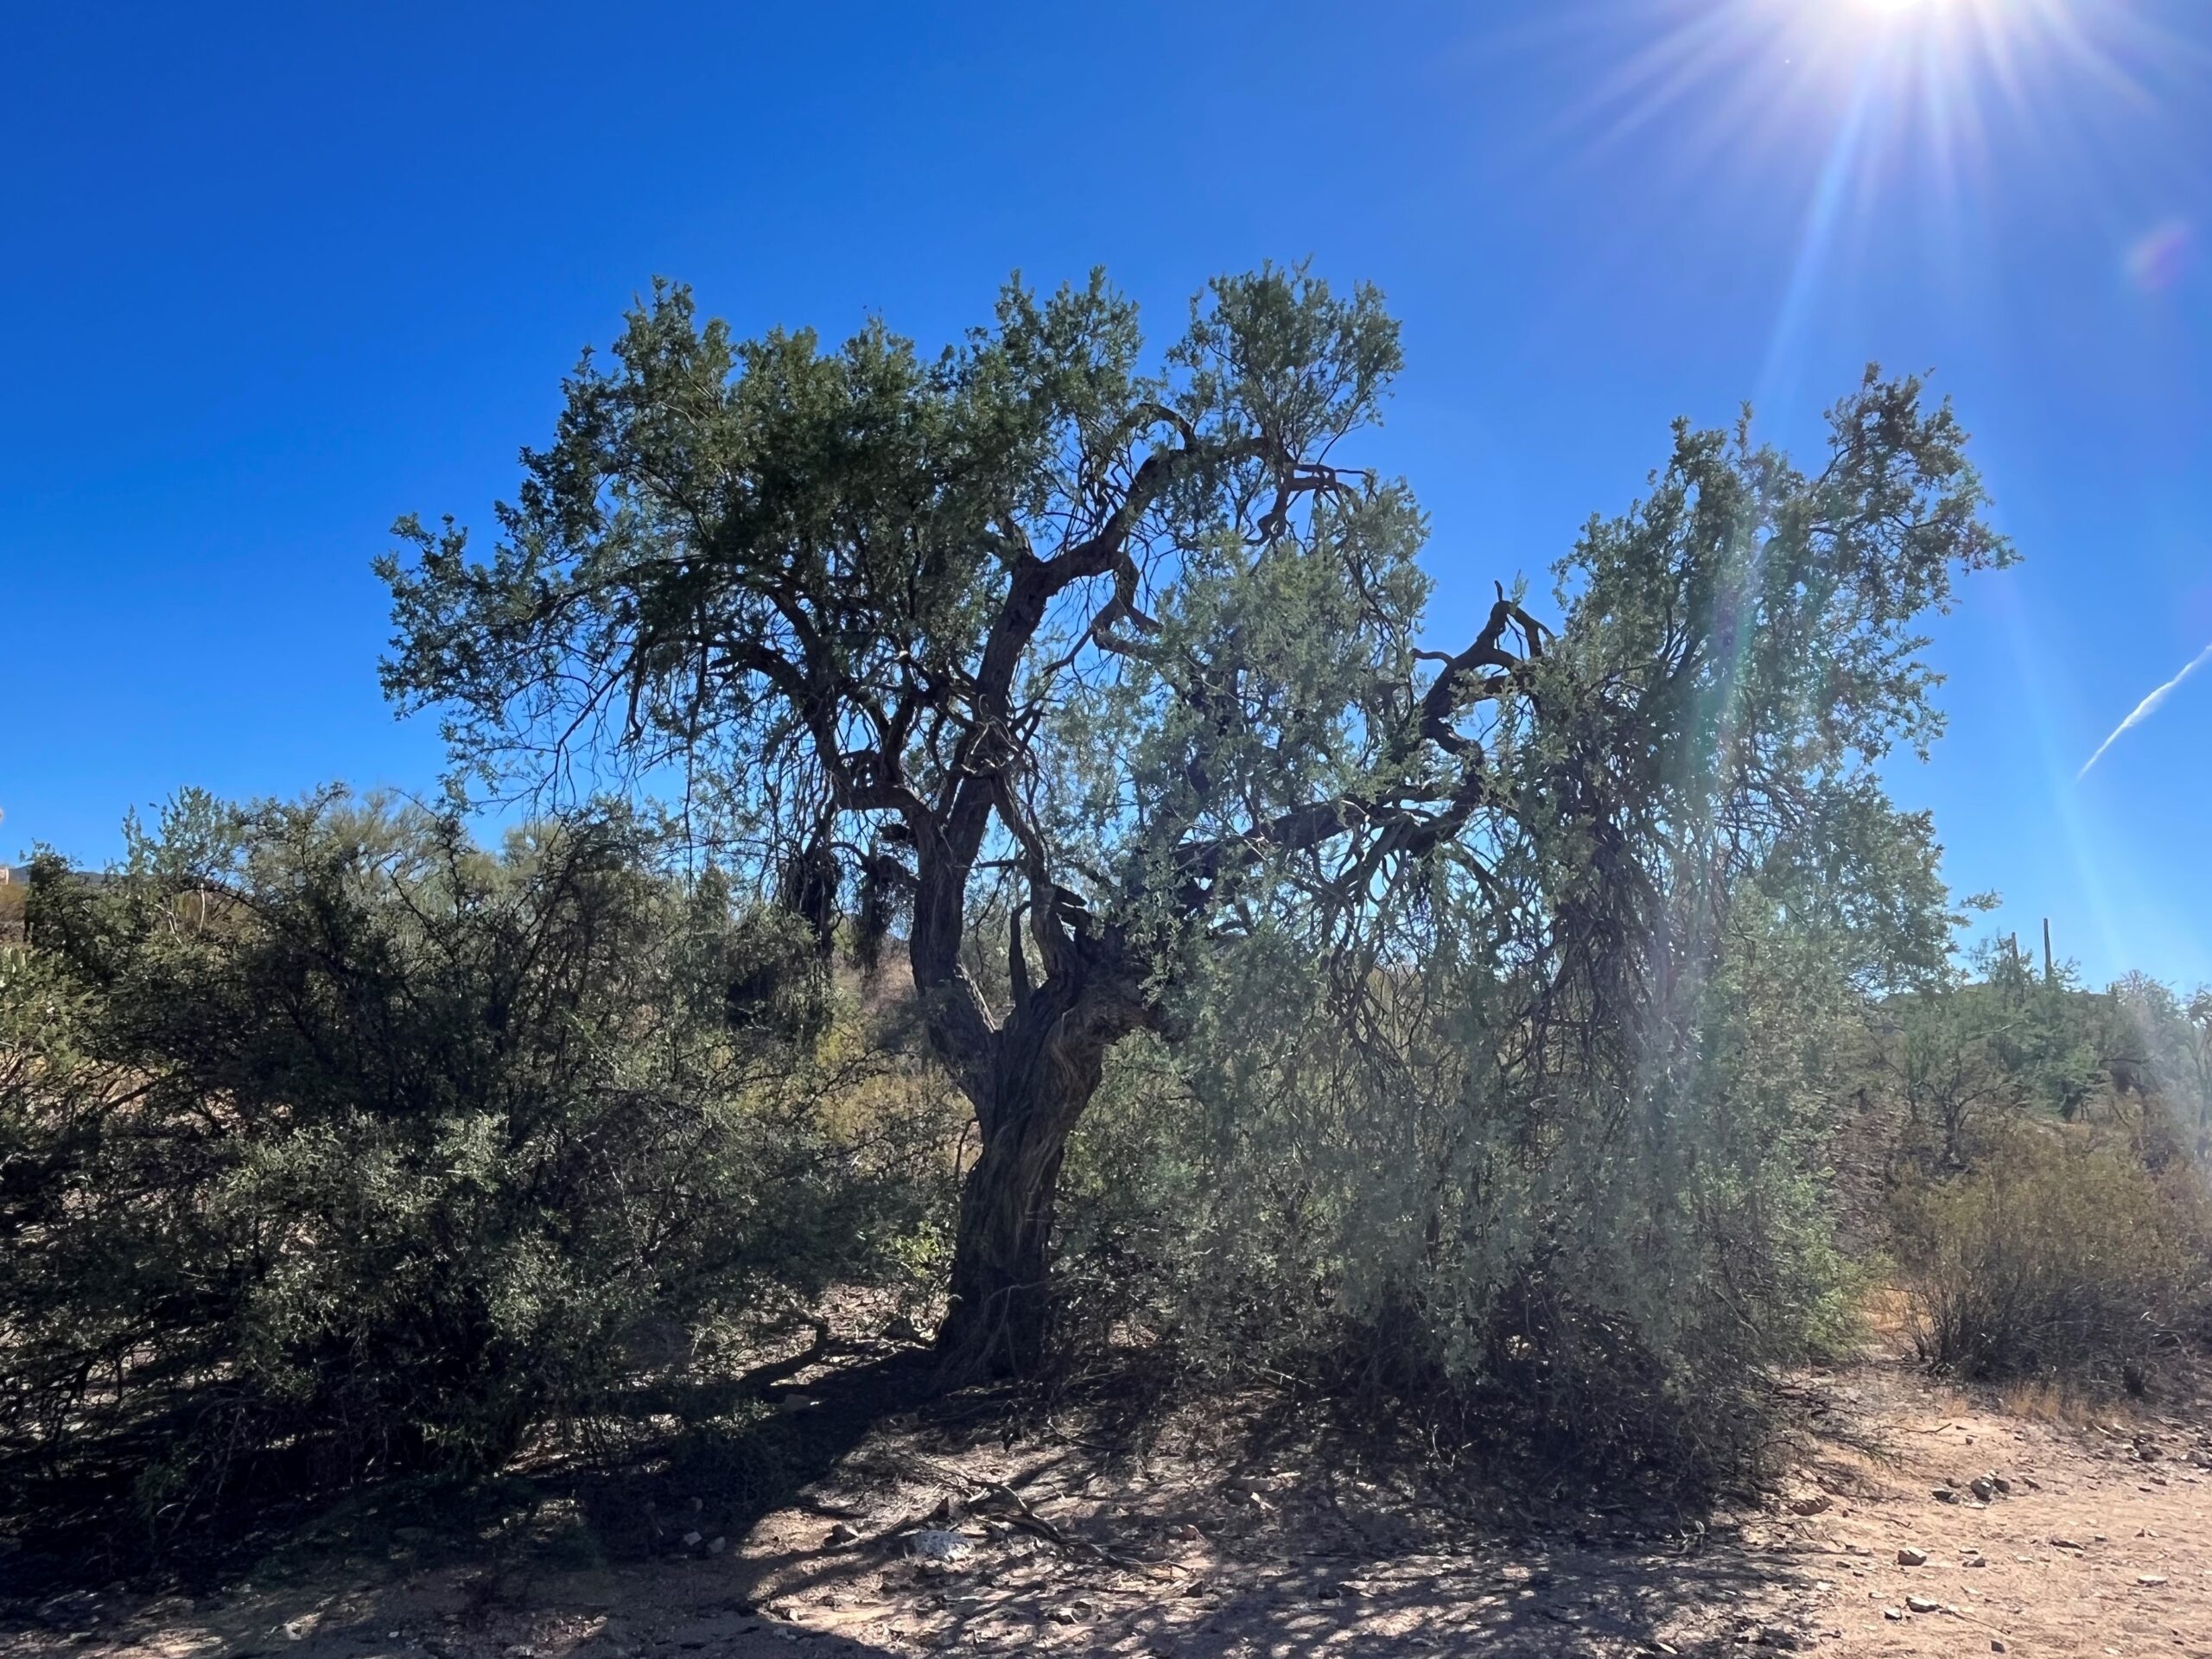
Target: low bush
331,1144
2053,1257
1565,1267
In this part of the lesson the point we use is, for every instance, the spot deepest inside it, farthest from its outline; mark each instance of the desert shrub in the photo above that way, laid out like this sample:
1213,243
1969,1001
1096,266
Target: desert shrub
1566,1261
332,1143
2053,1257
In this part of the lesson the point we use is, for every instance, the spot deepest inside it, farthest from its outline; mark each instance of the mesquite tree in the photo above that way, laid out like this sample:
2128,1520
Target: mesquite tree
1070,660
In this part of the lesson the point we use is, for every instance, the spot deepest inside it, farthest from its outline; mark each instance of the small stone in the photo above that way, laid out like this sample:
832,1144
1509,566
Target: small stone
2064,1543
1944,1495
935,1544
1910,1557
1923,1603
691,1540
1811,1503
2150,1580
842,1534
716,1546
1893,1612
2000,1483
1996,1646
1983,1488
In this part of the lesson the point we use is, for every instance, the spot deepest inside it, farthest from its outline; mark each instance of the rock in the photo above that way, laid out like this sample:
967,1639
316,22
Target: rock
935,1544
1944,1495
691,1540
2001,1484
1923,1603
792,1404
2147,1452
1983,1488
2150,1580
1996,1646
842,1534
716,1546
1811,1503
1910,1557
2063,1543
1893,1612
1060,1616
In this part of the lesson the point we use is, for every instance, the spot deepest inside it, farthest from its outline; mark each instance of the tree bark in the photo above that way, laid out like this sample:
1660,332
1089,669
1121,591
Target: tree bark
999,1321
1050,1058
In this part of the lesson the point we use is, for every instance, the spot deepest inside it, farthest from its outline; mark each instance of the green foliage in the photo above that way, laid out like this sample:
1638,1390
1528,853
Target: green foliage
1124,665
2053,1257
2161,1047
331,1143
1535,1150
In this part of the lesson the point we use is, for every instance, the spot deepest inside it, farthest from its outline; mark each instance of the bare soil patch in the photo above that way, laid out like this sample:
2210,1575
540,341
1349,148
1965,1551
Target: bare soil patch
2084,1536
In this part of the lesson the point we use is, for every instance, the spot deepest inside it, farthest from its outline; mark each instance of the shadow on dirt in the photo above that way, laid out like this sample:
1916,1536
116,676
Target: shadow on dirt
662,1485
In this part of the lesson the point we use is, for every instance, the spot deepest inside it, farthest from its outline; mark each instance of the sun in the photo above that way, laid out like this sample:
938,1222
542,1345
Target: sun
1855,122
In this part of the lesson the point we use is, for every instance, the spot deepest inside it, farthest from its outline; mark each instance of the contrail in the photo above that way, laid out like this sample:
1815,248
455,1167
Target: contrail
2144,709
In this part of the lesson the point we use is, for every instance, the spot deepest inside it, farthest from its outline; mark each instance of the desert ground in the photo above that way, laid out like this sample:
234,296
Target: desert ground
1913,1519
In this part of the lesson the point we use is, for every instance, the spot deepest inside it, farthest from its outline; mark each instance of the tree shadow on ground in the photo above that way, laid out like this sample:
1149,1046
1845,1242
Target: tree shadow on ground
705,1465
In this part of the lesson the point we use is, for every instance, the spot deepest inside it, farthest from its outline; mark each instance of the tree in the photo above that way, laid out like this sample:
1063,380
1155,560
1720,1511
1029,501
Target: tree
1078,663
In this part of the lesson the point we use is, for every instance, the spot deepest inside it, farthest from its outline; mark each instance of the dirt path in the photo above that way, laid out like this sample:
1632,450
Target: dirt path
2083,1540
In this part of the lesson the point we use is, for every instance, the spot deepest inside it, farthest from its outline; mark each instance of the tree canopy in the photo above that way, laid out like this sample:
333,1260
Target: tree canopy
1077,661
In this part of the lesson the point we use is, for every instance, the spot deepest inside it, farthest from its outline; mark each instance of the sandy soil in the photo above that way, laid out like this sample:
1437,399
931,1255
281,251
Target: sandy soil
2086,1537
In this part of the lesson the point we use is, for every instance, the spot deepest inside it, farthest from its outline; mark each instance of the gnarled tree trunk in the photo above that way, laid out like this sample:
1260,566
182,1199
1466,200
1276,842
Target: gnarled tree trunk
1000,1309
1047,1061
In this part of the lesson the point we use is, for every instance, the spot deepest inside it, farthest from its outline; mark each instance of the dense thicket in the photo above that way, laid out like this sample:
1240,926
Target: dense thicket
331,1144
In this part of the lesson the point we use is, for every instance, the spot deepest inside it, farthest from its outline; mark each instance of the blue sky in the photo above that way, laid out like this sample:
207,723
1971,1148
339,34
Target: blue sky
276,274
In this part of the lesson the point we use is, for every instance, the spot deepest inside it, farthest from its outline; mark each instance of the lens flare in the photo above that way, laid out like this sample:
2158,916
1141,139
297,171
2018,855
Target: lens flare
2157,260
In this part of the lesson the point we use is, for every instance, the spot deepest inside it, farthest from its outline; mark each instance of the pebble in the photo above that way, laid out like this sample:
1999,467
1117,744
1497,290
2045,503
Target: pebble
1911,1557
